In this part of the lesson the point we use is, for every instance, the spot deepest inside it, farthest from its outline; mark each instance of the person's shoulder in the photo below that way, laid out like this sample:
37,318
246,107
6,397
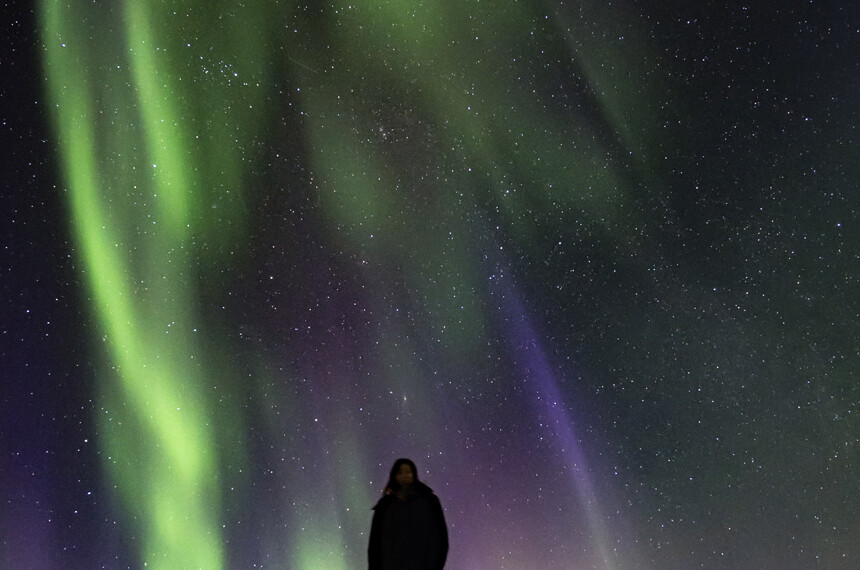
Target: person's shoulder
424,489
384,501
428,493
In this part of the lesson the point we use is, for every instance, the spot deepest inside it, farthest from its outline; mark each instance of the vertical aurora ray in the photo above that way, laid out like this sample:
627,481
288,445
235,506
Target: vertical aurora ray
157,448
137,197
552,411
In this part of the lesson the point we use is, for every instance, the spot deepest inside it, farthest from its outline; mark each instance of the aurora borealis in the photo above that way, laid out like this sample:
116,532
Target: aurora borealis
592,266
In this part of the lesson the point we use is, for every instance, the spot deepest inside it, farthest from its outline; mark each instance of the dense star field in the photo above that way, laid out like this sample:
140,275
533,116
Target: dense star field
593,266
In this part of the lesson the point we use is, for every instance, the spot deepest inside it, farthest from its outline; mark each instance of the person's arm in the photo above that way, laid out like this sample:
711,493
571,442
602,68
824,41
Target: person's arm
442,530
374,547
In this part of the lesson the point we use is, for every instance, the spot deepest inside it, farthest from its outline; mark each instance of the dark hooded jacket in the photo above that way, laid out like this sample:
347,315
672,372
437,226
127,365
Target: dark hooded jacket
408,534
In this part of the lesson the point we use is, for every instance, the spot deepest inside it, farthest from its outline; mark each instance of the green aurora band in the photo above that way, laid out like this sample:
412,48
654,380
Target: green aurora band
158,107
138,196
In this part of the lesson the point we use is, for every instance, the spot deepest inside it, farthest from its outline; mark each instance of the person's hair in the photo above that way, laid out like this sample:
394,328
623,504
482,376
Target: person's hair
392,477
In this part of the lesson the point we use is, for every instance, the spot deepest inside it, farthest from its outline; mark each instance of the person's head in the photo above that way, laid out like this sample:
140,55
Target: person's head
403,474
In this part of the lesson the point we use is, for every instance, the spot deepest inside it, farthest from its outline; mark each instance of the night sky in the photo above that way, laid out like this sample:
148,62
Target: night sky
593,266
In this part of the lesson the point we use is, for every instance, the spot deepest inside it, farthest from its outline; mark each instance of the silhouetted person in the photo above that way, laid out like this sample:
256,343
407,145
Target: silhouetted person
408,530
